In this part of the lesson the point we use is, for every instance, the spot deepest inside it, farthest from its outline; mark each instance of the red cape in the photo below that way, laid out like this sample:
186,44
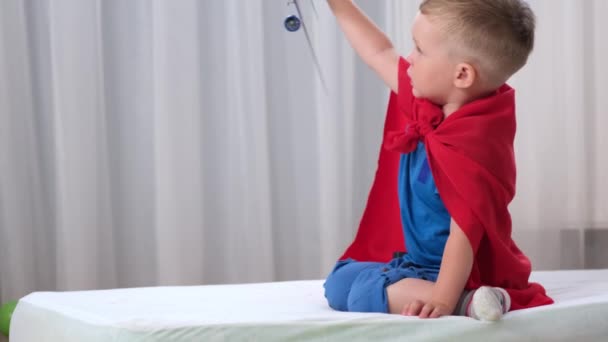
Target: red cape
472,160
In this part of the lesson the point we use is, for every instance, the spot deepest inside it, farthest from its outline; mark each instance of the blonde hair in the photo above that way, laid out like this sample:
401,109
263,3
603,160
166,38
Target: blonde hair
497,34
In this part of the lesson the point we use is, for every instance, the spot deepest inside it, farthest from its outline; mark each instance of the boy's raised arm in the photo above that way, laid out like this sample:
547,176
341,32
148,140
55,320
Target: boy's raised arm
370,43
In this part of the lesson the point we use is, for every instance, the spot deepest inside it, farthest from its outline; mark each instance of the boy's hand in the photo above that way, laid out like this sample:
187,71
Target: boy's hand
432,309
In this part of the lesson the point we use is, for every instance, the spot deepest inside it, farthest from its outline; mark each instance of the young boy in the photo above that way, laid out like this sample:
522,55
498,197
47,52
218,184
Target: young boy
446,173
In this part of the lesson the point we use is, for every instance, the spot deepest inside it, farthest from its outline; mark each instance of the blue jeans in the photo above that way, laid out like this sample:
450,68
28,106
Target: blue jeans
361,286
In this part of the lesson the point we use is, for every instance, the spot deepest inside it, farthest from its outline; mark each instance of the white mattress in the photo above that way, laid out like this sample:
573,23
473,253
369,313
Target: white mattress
295,310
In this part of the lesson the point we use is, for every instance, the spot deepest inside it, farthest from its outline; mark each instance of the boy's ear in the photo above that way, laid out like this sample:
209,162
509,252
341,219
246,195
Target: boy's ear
465,75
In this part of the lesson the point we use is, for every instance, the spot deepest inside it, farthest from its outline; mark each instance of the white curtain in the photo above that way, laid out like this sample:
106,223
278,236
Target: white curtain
188,142
561,146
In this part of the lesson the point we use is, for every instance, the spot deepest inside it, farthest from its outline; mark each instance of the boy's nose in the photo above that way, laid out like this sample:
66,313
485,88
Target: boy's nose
409,58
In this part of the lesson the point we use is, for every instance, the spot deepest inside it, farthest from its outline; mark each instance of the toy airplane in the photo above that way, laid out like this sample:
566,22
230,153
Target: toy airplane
293,24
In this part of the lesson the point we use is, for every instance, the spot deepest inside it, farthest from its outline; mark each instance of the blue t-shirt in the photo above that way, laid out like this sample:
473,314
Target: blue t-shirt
426,221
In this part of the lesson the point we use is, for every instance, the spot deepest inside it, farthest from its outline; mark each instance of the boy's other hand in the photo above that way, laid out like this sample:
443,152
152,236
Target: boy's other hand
431,309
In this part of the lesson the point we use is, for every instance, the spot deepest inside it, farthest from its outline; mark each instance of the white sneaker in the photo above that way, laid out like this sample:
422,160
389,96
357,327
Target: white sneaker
489,303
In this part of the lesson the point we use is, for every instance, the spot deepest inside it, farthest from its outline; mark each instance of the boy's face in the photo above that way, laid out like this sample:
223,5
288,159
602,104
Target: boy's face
431,70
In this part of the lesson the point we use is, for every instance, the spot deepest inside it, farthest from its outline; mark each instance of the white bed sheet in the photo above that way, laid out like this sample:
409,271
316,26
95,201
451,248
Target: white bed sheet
297,310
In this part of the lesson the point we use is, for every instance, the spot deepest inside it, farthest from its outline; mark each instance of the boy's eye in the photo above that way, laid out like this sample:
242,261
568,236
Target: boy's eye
418,49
